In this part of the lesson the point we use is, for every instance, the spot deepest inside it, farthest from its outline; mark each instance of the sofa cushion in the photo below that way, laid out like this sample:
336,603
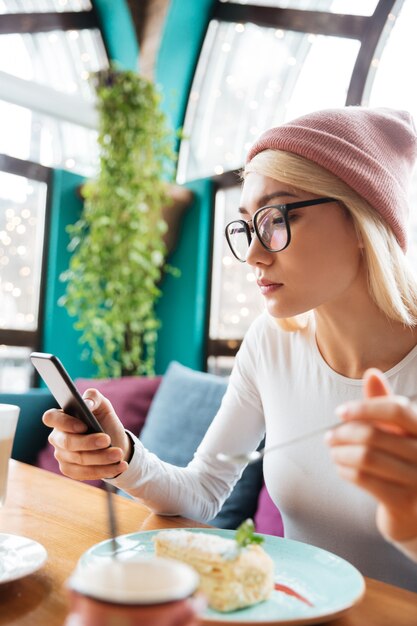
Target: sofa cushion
182,410
268,519
130,396
31,433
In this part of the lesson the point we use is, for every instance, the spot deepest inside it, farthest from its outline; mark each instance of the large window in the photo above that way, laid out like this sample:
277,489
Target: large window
391,83
238,94
310,54
45,84
23,223
48,51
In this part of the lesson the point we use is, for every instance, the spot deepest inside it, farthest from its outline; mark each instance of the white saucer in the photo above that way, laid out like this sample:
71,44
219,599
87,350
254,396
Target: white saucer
19,556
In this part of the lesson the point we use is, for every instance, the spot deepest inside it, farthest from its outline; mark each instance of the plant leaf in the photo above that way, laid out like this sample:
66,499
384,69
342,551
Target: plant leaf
245,534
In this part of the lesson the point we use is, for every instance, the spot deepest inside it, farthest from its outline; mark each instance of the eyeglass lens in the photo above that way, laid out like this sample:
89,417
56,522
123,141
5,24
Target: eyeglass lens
271,229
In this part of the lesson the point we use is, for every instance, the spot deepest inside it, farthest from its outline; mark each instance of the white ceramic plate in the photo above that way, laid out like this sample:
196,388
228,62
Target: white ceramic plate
312,585
19,556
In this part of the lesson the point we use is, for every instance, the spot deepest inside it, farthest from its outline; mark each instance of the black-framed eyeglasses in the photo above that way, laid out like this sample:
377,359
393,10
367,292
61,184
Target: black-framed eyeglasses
271,225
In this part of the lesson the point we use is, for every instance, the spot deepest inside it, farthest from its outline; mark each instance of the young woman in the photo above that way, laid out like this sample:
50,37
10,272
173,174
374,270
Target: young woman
323,223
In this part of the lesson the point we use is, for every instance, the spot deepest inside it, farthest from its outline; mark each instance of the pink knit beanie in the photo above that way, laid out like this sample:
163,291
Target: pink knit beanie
371,150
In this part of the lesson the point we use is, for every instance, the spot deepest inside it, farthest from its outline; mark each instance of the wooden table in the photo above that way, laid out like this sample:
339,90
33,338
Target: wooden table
68,517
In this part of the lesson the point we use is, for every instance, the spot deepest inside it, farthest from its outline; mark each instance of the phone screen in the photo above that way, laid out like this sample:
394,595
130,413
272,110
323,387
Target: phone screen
63,389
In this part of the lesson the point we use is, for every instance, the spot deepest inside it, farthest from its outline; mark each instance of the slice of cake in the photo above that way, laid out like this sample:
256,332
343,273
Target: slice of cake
231,576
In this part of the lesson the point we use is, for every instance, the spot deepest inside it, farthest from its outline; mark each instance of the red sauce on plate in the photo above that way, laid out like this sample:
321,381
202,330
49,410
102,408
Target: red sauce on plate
292,592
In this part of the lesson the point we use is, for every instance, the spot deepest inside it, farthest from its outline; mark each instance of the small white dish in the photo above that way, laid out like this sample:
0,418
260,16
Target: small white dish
19,557
145,580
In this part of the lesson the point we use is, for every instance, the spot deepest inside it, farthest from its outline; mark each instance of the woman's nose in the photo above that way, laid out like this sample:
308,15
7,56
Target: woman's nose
258,254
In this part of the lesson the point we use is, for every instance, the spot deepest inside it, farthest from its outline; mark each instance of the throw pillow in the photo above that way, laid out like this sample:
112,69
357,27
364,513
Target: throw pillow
130,396
31,432
182,410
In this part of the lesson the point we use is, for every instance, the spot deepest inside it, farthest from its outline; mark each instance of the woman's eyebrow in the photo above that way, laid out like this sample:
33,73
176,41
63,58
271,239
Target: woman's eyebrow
264,200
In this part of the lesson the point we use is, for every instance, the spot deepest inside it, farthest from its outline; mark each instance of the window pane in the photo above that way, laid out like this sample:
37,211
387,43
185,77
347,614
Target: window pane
391,84
220,365
235,296
236,94
31,136
15,369
22,224
350,7
61,60
43,6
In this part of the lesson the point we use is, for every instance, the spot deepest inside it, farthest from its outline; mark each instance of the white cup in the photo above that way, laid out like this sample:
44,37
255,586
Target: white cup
9,414
147,591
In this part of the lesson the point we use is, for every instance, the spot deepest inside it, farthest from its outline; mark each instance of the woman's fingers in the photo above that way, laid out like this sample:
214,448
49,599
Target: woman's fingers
74,443
102,457
102,408
379,488
384,411
376,449
56,418
105,414
92,472
366,434
361,459
396,517
89,456
375,383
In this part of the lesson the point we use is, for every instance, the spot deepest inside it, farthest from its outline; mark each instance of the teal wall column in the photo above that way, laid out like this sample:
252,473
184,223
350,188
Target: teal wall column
182,37
118,32
59,335
182,308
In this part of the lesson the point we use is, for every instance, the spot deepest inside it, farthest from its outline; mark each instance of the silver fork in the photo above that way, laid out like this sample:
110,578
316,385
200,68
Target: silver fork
257,455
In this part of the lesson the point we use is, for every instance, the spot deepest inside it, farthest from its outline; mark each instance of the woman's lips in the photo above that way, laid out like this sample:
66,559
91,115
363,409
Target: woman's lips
268,288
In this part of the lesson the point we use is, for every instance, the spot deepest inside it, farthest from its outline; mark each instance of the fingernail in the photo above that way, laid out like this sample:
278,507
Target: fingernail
350,409
328,436
342,411
89,402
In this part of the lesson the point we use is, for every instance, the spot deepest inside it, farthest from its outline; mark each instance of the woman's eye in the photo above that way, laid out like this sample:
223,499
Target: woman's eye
292,217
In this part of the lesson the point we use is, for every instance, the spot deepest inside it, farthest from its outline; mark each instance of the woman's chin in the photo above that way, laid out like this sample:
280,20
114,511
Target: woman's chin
277,310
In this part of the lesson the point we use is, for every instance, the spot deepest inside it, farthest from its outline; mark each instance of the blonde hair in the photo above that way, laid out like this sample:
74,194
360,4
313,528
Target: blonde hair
391,281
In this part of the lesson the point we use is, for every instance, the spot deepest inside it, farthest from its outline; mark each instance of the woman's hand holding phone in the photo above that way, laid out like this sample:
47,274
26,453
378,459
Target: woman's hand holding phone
88,456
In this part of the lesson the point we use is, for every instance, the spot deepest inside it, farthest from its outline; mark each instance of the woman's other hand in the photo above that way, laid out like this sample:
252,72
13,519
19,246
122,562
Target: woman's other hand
92,456
376,449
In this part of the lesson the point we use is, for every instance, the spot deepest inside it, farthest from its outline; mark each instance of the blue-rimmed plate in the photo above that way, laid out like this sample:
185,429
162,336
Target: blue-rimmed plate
312,585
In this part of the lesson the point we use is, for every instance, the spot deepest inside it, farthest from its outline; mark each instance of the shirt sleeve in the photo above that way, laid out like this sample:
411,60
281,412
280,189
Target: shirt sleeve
199,490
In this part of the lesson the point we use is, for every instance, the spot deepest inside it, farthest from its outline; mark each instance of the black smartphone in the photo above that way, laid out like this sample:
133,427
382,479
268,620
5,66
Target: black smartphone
63,389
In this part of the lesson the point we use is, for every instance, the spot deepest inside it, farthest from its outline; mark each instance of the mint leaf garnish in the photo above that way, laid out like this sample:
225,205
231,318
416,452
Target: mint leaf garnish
245,534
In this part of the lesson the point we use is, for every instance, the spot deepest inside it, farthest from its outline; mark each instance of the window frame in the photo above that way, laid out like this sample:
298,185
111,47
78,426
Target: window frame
365,28
32,23
39,173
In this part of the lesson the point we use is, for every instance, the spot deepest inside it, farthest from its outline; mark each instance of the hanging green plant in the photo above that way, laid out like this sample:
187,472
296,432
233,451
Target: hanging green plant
118,244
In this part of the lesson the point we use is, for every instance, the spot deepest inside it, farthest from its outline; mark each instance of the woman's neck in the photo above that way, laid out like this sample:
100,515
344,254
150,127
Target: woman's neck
355,334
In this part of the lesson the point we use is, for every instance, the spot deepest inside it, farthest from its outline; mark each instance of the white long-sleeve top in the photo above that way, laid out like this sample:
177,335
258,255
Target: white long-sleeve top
281,386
